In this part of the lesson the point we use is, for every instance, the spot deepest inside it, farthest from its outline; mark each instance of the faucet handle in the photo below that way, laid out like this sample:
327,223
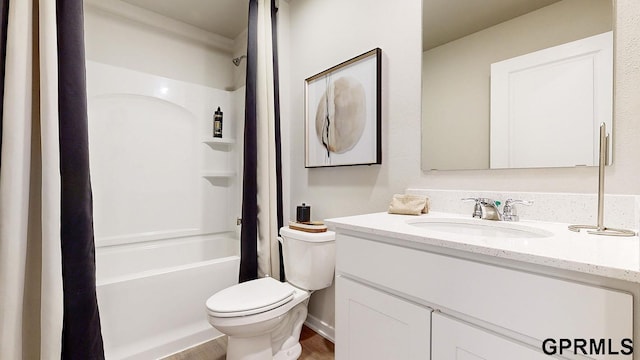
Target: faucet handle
477,209
509,212
510,202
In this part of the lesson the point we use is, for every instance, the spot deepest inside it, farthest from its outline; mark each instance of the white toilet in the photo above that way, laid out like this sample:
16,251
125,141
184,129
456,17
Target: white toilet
263,318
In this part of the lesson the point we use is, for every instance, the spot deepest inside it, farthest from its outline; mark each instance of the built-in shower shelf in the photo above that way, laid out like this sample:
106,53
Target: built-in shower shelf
218,174
214,141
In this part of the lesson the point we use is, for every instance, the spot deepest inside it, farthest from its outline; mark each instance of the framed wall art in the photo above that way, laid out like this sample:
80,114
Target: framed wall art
343,113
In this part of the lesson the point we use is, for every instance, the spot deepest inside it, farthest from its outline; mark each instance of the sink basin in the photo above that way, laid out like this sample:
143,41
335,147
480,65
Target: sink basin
483,228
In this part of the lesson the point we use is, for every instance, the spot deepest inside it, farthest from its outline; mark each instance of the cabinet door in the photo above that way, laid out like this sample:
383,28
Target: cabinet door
371,324
454,339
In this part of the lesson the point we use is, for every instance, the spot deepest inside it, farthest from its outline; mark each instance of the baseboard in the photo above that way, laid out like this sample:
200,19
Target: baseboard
322,328
167,347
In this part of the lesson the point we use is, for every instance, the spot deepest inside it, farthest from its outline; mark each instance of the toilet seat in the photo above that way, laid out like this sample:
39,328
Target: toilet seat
249,298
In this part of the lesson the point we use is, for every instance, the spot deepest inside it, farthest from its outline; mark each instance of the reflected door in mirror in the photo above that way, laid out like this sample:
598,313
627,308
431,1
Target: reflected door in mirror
547,106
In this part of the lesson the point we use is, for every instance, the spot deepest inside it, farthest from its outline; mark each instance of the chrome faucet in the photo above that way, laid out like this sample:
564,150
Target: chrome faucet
485,208
509,212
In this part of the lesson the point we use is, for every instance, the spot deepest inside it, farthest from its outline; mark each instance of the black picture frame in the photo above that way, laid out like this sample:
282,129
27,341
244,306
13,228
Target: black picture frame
343,113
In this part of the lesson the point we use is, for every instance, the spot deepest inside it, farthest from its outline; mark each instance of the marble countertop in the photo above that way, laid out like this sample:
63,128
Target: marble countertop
609,256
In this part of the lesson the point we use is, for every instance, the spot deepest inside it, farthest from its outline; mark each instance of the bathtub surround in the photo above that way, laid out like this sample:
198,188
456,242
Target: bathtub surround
154,307
262,214
179,234
47,266
186,186
176,215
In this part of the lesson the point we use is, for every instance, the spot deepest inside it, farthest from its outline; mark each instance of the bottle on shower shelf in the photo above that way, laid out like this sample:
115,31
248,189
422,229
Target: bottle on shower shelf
217,123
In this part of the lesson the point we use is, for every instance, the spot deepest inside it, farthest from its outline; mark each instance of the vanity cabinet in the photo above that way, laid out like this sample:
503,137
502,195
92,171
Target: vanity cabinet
476,309
456,339
376,325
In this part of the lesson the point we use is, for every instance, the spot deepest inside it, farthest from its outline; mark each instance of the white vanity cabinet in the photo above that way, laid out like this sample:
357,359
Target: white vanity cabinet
390,291
375,325
456,339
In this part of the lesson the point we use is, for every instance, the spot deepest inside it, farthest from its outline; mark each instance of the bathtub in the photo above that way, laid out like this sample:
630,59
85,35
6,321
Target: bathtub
152,294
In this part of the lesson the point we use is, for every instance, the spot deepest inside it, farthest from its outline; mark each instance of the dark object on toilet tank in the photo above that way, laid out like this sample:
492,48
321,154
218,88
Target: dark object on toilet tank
303,213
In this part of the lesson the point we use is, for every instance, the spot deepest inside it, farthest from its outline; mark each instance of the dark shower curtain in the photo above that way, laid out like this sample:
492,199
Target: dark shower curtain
81,335
249,231
276,105
4,17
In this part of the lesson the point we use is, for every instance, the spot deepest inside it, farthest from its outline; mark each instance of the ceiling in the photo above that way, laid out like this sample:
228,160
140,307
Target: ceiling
443,20
447,20
223,17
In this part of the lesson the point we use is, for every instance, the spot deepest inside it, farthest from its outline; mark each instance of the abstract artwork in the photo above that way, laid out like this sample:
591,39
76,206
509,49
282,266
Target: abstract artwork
342,113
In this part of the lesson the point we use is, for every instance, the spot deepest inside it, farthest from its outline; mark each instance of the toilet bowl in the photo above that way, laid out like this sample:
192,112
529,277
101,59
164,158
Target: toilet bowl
263,318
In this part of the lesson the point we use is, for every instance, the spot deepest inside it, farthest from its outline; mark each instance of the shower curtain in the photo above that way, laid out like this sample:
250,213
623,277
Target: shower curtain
48,306
262,214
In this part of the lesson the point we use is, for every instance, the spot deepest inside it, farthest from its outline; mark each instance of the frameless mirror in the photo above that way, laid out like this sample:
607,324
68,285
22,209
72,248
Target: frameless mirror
515,84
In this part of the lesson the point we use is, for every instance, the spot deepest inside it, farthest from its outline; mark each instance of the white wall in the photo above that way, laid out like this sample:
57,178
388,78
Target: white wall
140,45
325,33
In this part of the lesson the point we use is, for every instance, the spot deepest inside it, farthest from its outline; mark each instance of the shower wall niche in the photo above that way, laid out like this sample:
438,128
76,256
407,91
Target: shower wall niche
157,171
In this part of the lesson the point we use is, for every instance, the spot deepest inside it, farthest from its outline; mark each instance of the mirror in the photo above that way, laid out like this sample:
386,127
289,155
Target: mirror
461,41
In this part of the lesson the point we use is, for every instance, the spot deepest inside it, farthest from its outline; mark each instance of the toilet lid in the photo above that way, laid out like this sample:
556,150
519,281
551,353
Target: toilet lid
251,297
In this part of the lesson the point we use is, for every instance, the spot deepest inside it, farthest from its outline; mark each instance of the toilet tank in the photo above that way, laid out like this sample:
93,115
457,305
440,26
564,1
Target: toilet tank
309,258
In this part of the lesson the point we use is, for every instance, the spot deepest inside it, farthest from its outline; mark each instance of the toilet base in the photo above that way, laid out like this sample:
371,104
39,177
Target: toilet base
286,338
283,339
291,353
251,348
259,348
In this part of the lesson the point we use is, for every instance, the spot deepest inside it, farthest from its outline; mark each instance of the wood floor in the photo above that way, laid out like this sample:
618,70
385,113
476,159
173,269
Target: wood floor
314,347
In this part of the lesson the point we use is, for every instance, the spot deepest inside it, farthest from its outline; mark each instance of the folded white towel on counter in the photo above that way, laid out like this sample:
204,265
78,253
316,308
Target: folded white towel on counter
409,204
